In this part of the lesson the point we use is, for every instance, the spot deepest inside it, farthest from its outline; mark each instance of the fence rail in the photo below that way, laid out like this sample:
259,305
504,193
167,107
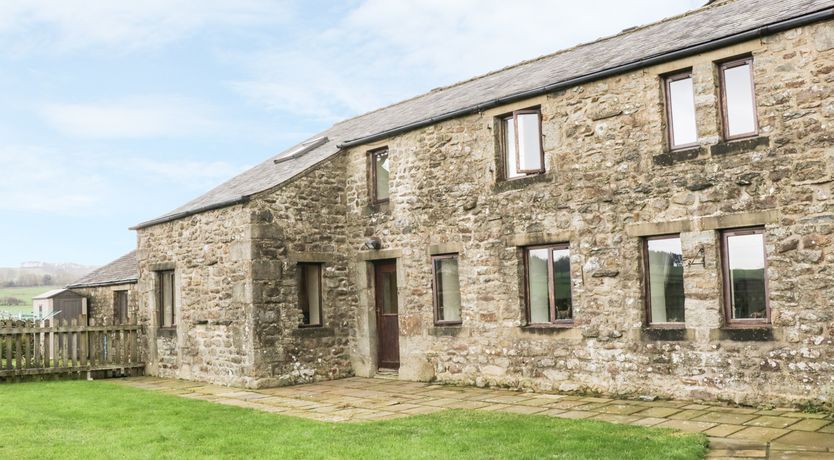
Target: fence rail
54,347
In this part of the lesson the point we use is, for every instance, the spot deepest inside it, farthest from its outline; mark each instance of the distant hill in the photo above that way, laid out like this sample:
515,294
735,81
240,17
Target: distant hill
42,274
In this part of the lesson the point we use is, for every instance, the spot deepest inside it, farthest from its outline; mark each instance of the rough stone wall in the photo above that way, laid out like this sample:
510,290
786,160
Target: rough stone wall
100,301
609,181
211,255
301,221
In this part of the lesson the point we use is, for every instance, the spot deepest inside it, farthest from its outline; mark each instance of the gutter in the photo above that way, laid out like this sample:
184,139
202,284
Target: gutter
723,42
180,215
103,284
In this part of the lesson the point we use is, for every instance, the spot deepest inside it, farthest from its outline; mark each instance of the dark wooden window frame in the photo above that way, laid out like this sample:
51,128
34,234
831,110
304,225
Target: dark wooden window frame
302,290
729,321
503,143
551,286
725,120
161,302
647,292
372,179
670,122
116,312
438,307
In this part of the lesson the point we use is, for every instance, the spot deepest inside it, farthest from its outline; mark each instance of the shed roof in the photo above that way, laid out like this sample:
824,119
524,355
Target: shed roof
54,293
124,270
714,25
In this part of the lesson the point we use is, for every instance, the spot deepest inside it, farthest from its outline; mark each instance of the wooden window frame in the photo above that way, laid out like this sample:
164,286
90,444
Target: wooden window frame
116,313
438,308
302,291
161,301
647,288
722,68
729,321
514,116
551,286
670,121
373,189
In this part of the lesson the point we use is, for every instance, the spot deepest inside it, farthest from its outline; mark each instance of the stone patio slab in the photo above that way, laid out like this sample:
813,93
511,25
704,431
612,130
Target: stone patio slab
772,421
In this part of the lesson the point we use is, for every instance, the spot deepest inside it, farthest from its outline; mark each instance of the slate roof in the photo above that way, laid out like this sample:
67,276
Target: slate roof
123,270
629,48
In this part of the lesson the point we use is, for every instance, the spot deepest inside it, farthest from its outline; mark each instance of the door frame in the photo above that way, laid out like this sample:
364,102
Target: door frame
377,307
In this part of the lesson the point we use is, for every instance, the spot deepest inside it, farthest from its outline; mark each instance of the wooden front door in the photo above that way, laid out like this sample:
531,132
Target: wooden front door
387,314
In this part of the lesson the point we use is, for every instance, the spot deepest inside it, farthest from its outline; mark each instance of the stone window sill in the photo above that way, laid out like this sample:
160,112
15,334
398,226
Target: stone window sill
666,333
737,146
505,185
549,328
314,331
701,152
746,333
167,331
447,330
680,156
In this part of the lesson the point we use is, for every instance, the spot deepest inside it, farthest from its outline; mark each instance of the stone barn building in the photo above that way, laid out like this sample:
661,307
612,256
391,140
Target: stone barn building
650,213
111,291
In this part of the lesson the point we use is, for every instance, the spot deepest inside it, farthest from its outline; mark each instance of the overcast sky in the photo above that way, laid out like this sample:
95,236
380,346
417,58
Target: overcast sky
114,112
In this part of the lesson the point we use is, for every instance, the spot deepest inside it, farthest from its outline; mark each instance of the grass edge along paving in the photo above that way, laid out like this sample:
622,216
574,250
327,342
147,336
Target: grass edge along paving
77,419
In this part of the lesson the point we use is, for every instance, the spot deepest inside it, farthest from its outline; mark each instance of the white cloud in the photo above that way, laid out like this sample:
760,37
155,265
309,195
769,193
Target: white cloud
130,118
195,175
61,182
383,51
47,25
40,180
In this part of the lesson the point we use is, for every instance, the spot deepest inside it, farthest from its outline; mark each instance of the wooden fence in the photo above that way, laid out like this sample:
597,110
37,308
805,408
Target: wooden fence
61,347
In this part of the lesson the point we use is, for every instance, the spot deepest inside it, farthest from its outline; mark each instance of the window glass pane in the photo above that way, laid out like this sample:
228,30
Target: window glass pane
739,99
381,168
509,148
746,262
682,103
529,142
311,296
389,293
166,280
562,284
537,286
666,280
448,288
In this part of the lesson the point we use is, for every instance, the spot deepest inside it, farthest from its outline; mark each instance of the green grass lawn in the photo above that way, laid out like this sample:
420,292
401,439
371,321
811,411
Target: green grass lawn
81,419
23,293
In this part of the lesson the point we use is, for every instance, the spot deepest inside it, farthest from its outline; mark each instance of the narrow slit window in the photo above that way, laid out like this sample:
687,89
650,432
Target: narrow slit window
523,151
745,276
166,296
738,99
446,289
549,298
310,295
664,280
380,169
680,108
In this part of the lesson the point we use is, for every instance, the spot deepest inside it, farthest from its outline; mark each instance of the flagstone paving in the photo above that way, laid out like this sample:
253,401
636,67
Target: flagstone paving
734,432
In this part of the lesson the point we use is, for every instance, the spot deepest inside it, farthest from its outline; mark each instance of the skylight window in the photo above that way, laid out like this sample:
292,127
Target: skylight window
305,147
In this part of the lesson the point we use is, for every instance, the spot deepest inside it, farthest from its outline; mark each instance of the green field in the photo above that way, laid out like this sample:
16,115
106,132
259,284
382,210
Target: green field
23,293
92,420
